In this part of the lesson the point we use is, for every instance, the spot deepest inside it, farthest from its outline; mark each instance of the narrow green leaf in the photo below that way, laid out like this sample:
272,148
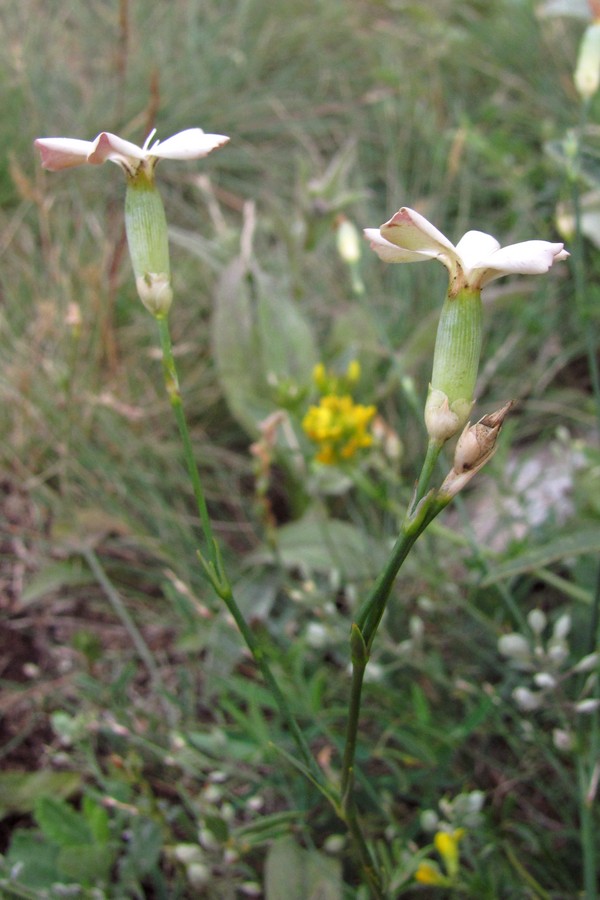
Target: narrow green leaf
575,544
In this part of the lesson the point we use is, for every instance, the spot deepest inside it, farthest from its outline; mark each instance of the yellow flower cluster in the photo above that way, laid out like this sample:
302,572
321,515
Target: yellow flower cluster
330,383
338,425
446,844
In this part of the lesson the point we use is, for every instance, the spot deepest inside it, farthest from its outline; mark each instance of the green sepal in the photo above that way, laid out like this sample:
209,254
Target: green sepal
458,347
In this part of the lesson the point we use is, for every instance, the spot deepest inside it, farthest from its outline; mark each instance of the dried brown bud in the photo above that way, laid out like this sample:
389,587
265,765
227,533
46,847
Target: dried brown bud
476,445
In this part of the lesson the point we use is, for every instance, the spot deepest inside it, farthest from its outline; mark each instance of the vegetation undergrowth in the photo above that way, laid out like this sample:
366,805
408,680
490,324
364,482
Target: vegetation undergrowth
142,752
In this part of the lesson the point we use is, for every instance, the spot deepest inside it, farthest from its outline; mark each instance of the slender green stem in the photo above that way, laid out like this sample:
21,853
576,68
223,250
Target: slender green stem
349,813
261,661
174,393
431,457
214,567
416,521
422,510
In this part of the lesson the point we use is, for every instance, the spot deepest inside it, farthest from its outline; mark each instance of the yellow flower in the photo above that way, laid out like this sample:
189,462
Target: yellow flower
328,382
446,844
338,426
428,873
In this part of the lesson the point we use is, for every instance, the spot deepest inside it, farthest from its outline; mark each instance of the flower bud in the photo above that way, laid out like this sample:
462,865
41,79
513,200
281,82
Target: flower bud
155,292
476,445
537,621
588,663
147,237
563,739
587,72
527,700
348,241
442,421
516,647
544,680
562,626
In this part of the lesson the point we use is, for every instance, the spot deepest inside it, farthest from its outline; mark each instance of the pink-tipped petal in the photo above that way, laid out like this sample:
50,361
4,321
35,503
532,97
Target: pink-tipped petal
389,252
192,143
526,258
410,230
111,146
62,153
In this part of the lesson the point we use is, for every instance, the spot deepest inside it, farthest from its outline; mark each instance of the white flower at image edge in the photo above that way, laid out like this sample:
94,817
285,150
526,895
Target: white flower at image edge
476,260
64,153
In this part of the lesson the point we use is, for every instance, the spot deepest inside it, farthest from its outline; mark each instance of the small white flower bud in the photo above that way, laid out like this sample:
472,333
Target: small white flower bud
563,740
207,839
562,627
588,663
198,875
527,700
515,646
587,72
544,680
585,707
557,652
416,629
348,241
316,635
429,820
476,801
537,621
187,853
334,844
374,673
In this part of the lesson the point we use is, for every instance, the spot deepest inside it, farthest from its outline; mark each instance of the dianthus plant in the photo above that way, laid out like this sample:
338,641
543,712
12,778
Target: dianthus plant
337,424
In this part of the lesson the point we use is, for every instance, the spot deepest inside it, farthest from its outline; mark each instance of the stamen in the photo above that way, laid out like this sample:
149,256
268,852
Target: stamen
148,139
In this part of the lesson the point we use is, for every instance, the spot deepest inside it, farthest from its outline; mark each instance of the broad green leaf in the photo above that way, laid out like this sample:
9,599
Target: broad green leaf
87,864
60,823
143,849
260,341
98,820
576,544
34,859
292,873
322,545
19,791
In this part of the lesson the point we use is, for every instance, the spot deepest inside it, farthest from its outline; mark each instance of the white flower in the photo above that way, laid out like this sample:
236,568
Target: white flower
65,153
476,260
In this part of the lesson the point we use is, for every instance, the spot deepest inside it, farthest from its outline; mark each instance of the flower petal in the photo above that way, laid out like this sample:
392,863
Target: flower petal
412,231
526,258
111,146
62,153
475,246
389,252
192,143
